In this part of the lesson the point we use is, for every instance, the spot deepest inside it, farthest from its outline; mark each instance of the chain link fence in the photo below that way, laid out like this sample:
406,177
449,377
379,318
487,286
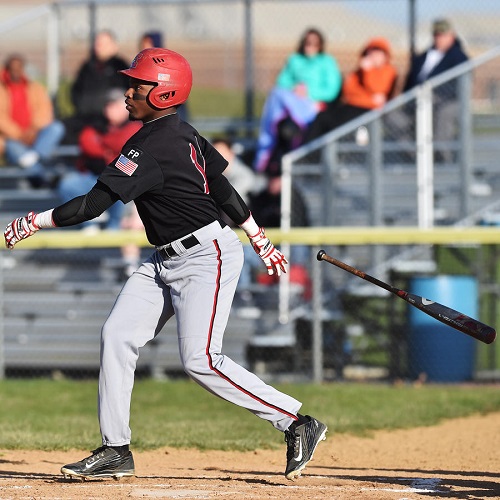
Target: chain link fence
54,300
339,327
239,46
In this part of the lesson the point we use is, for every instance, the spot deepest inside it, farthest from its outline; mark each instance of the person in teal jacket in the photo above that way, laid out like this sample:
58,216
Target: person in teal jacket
308,81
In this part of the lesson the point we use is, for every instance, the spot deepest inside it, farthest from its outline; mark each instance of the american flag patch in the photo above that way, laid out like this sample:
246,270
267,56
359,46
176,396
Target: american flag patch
126,165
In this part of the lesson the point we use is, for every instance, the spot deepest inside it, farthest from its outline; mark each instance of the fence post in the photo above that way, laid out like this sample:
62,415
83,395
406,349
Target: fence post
465,141
317,319
249,68
286,222
376,179
53,47
425,157
329,160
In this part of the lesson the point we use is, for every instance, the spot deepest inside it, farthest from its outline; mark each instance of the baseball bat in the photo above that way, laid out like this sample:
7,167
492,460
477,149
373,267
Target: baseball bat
446,315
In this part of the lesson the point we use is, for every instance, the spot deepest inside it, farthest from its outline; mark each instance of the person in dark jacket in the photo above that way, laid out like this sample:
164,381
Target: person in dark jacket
95,78
445,53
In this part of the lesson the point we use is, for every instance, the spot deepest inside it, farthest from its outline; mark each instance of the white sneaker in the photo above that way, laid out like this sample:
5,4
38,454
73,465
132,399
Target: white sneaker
28,159
362,136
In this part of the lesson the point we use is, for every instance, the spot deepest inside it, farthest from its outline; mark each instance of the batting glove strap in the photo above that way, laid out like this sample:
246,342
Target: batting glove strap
20,229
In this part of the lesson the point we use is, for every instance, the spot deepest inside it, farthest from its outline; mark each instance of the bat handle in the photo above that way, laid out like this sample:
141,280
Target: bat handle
320,255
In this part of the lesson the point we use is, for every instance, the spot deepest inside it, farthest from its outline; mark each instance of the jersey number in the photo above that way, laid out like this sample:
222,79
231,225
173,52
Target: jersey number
201,168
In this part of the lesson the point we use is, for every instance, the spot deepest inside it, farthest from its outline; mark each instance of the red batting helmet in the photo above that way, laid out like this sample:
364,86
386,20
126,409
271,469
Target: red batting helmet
168,70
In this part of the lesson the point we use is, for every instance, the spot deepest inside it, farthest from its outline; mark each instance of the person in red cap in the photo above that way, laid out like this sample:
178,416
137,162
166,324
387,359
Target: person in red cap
368,87
175,177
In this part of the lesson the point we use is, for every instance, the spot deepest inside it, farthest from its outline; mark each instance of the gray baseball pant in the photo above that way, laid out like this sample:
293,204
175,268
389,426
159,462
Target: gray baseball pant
198,287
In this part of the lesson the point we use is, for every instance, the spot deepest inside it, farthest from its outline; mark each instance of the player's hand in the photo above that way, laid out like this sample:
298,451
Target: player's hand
273,259
20,229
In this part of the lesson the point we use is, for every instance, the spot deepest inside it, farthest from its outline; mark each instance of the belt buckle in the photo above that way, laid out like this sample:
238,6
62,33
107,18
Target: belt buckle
169,251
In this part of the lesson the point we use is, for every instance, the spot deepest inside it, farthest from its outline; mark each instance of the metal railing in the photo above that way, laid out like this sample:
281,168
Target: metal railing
336,155
330,145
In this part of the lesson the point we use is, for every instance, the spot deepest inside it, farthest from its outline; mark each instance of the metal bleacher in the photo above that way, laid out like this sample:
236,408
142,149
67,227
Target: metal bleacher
375,181
55,302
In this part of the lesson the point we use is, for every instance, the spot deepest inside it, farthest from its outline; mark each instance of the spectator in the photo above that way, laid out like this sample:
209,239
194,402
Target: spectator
368,87
241,176
98,147
150,40
28,131
445,53
309,80
94,79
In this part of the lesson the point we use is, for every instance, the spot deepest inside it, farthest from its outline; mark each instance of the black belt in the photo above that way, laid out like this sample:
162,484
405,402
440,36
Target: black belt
168,251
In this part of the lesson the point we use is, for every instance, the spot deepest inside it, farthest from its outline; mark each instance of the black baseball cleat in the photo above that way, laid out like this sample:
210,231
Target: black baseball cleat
104,462
301,441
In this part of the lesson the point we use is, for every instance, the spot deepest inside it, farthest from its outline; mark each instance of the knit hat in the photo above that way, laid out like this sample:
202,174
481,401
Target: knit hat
379,43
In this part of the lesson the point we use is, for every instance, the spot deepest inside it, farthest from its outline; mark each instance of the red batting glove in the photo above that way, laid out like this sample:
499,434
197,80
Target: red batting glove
273,259
20,229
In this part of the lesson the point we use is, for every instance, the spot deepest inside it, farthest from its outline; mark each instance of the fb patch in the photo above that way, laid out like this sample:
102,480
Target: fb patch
125,165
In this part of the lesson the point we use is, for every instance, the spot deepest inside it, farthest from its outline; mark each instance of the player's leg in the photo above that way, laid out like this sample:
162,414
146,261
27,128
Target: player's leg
48,139
202,307
203,286
273,112
140,311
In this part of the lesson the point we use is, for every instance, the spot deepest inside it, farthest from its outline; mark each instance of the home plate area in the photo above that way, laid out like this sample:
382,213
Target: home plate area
458,458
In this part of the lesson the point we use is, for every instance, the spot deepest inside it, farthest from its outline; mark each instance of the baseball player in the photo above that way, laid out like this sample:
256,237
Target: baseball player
175,178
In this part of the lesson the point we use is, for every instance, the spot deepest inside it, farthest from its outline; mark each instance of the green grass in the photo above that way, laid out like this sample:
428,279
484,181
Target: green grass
46,414
203,102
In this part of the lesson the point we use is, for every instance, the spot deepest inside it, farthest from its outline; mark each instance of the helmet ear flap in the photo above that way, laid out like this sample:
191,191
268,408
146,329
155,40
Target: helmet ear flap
160,98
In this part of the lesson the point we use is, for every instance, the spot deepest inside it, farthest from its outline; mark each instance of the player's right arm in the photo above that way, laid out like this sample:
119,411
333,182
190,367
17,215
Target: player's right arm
79,209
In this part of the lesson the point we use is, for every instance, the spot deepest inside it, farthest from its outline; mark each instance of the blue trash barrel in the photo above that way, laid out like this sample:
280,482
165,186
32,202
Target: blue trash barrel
441,352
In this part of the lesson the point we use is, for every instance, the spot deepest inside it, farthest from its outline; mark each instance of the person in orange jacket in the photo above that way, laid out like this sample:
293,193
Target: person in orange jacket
29,132
369,87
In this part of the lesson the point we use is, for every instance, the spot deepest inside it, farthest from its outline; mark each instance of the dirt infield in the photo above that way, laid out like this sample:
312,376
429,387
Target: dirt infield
456,459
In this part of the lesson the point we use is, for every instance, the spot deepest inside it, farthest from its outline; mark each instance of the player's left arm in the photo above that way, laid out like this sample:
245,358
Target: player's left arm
75,211
230,201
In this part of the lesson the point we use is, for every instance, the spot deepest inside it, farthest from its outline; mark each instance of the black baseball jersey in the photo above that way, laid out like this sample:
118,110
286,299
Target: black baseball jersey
166,168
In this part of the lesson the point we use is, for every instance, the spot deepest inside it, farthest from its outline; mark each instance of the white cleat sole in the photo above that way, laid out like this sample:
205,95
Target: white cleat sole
69,474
